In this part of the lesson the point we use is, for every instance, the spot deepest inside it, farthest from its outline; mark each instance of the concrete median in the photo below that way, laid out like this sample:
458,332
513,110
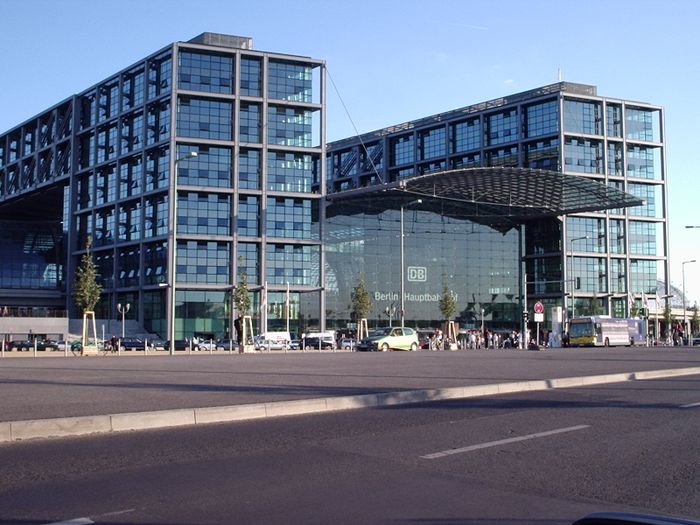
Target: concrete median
101,424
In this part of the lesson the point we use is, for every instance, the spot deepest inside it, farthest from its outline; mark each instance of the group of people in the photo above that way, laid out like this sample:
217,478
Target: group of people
474,340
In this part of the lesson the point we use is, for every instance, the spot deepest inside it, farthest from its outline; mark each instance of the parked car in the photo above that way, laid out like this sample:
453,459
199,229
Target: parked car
207,345
347,343
157,344
385,339
295,344
316,343
182,344
269,344
132,343
227,344
41,344
695,341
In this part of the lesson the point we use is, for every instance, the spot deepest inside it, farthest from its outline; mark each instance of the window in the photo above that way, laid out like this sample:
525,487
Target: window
402,150
583,155
204,213
249,169
543,154
292,218
250,120
251,77
583,117
466,135
211,166
643,124
202,118
248,216
203,262
205,72
432,143
293,264
290,172
289,126
502,127
542,119
289,81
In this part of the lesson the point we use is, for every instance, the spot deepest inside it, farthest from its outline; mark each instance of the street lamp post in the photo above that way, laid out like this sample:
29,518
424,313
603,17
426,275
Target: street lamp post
173,250
122,310
573,279
685,328
417,201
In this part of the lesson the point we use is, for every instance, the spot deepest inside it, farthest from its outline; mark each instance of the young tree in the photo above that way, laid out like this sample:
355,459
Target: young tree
241,296
668,319
448,305
361,302
87,290
241,301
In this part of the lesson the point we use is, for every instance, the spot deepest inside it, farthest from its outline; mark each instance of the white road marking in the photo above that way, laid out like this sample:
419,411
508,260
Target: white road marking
88,521
76,521
471,448
690,405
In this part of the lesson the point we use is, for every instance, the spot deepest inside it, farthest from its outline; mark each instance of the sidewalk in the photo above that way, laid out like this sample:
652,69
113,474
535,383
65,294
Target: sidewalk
72,396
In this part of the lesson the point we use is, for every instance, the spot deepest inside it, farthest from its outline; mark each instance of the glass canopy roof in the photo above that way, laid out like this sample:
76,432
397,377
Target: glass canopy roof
501,198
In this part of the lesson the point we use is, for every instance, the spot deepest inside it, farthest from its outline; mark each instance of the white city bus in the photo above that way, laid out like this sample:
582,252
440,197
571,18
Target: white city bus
601,330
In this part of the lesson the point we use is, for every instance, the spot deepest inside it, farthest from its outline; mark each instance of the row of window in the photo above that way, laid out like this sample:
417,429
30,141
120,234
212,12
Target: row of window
581,155
201,214
214,73
205,262
589,236
211,167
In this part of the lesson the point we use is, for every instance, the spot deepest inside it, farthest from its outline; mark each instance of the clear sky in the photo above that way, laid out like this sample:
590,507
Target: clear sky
394,61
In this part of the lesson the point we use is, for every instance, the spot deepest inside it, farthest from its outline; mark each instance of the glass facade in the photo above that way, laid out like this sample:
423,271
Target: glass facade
573,131
129,141
365,238
253,199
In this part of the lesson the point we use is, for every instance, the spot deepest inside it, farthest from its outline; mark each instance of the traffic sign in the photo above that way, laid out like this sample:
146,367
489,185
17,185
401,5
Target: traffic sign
539,308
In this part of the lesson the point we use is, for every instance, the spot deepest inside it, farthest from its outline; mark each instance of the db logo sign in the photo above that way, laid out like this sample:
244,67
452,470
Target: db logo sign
417,273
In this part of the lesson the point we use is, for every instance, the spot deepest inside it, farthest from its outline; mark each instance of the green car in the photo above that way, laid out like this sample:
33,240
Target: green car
385,339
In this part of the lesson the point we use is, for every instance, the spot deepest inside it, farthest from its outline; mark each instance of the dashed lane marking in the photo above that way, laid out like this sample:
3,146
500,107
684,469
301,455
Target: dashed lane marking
471,448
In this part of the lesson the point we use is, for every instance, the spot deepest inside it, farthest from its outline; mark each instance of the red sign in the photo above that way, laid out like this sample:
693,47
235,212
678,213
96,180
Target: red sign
539,308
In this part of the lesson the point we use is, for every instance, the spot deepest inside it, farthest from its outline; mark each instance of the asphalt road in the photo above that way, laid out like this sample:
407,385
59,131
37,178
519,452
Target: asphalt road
50,387
541,458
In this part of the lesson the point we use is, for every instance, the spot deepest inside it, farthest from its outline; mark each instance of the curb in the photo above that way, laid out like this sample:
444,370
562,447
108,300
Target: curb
104,424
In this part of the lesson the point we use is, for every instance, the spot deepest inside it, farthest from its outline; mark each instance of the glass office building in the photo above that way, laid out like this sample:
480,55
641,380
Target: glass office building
556,187
100,165
587,257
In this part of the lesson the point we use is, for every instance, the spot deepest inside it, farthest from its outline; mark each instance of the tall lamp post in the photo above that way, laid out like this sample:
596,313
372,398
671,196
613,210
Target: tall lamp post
173,250
122,310
573,279
417,201
685,327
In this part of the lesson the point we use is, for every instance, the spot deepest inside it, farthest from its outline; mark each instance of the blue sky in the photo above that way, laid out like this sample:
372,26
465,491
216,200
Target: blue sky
394,61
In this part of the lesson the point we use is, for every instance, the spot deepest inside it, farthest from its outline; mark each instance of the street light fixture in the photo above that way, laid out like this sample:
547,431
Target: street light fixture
173,249
417,201
685,327
573,279
122,310
692,226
